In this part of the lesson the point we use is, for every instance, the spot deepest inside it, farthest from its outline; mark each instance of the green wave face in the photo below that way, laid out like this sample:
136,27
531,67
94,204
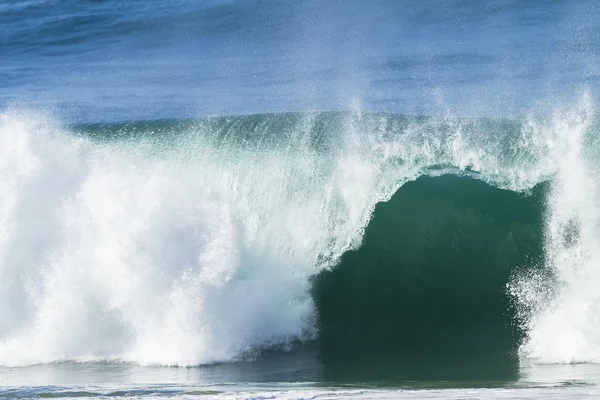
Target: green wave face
428,283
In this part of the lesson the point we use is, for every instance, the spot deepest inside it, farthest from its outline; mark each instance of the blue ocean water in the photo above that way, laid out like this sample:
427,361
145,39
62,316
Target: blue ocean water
108,60
299,199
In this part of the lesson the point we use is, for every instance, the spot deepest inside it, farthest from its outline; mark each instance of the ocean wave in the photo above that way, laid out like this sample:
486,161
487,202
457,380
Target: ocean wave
193,242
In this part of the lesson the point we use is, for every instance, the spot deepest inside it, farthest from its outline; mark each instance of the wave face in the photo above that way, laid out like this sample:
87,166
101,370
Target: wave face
429,281
193,242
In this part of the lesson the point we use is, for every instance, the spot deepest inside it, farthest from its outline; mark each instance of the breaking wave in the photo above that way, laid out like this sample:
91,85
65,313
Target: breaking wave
200,241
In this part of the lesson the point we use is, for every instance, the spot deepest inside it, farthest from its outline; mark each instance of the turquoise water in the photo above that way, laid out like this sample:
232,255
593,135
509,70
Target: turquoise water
299,199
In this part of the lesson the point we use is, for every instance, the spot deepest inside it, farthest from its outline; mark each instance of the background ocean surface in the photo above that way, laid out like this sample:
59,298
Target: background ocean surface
299,199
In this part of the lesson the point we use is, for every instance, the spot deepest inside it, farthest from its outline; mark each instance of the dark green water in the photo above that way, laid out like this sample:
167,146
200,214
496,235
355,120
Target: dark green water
428,284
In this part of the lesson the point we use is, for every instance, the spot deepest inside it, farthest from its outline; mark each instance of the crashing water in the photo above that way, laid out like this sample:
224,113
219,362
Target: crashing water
186,243
560,308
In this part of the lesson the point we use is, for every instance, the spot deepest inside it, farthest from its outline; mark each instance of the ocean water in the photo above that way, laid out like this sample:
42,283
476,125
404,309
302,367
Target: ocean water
299,199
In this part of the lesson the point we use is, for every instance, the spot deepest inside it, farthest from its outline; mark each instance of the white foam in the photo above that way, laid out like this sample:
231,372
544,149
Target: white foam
562,315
